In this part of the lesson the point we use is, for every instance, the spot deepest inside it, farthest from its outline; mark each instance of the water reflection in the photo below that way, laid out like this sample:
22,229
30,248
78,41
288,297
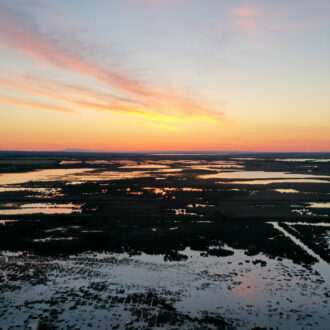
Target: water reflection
258,175
314,160
287,191
261,181
45,192
39,175
104,176
319,205
280,295
44,208
199,205
145,166
213,167
168,170
321,266
100,162
70,162
130,192
247,158
318,224
50,239
304,212
184,212
164,190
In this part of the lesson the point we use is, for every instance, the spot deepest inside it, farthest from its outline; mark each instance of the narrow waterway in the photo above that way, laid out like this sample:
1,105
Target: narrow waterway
321,265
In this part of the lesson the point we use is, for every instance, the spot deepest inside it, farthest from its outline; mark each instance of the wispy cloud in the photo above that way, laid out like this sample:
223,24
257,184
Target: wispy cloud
35,105
245,12
19,33
259,17
82,97
246,19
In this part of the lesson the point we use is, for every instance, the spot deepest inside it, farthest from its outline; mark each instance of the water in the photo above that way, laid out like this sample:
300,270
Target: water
247,295
319,205
152,166
259,175
105,176
39,175
321,266
70,162
263,181
322,224
184,212
314,160
44,208
287,191
166,190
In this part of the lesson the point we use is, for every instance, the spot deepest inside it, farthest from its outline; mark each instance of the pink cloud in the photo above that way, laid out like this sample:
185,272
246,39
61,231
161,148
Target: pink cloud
34,44
258,17
245,12
20,35
246,19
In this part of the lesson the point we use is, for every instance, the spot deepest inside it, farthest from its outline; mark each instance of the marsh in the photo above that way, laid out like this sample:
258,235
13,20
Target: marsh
142,240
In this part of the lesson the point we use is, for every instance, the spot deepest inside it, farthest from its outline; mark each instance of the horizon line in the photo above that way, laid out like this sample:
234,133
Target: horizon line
77,150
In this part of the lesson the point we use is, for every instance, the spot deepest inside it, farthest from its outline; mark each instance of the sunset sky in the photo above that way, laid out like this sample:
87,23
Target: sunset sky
137,75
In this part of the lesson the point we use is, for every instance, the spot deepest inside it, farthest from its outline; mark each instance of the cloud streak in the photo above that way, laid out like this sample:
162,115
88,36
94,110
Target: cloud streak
258,17
18,33
246,19
81,97
35,105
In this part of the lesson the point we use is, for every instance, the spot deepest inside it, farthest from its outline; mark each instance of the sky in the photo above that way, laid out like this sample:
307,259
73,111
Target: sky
147,75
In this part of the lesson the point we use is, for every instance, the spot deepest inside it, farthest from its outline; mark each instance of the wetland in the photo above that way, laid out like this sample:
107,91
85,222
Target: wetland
101,240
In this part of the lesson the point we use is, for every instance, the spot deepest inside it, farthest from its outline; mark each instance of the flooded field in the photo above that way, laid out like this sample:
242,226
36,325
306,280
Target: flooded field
164,241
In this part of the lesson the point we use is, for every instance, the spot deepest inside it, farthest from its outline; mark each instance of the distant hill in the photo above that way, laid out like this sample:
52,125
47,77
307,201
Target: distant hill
79,150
